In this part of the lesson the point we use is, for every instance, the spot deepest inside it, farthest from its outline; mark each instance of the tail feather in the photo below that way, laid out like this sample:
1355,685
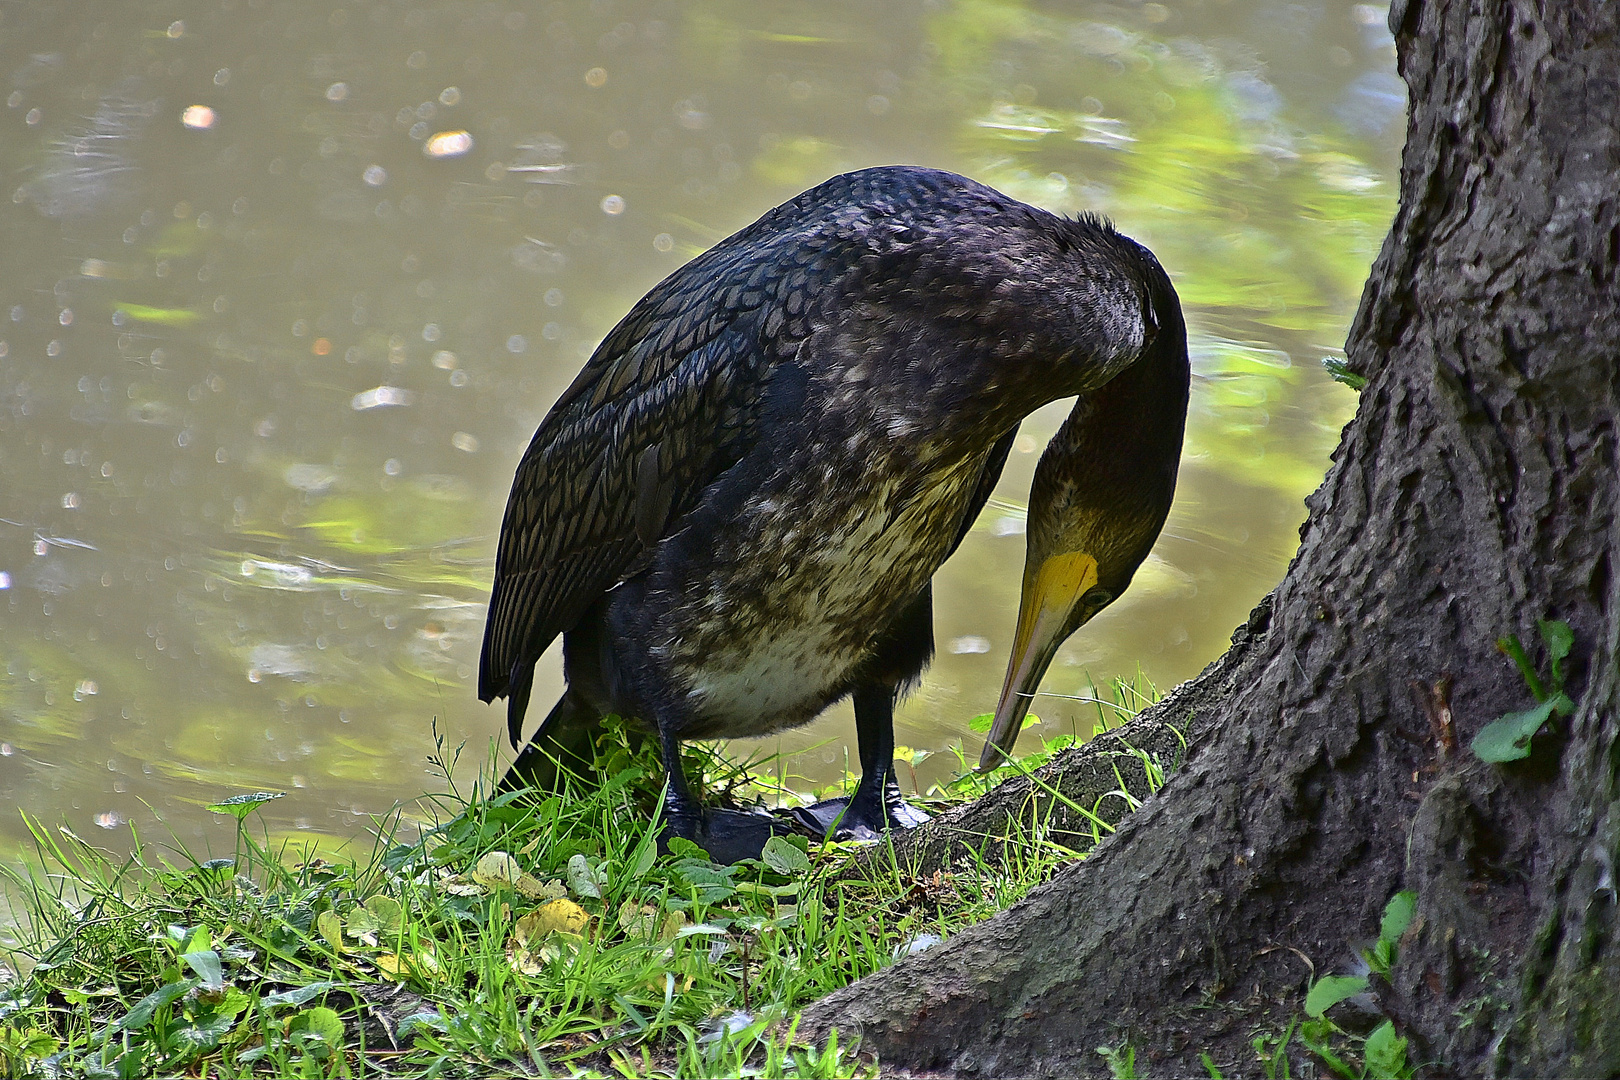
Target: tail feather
565,741
518,685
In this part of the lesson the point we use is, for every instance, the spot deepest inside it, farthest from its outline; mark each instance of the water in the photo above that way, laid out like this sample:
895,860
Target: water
285,289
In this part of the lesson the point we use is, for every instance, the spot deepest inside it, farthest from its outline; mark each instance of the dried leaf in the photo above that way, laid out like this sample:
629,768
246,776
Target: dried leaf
638,921
497,870
456,885
674,923
558,916
535,889
539,937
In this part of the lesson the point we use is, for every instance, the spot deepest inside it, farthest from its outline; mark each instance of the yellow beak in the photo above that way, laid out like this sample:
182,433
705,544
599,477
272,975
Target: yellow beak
1049,596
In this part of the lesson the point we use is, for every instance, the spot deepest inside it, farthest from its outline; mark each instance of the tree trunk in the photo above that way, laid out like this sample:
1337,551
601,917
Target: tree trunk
1474,493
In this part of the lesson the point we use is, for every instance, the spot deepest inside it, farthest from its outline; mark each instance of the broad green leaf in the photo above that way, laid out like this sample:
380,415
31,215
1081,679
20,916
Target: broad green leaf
387,911
1560,639
240,806
784,857
318,1023
682,848
585,879
1380,957
1330,990
1386,1053
1507,738
300,996
701,928
1341,373
206,964
644,861
141,1014
1397,916
330,926
204,1033
981,723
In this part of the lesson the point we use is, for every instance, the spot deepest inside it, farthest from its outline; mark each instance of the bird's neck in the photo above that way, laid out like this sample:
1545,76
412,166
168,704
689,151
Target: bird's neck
1140,415
1109,475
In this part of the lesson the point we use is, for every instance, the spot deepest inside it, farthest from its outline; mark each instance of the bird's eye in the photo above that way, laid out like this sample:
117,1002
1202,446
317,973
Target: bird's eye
1097,599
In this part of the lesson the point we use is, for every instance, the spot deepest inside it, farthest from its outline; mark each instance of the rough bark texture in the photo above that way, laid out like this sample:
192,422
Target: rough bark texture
1475,492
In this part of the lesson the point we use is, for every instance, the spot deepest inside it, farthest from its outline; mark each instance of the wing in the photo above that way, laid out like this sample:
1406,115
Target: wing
670,400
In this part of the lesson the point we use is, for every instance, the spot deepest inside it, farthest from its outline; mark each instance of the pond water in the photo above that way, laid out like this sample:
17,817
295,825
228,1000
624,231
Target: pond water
285,288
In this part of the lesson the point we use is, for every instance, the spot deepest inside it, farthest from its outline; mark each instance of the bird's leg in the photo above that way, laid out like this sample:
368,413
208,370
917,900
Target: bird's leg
683,814
867,816
876,800
727,835
876,804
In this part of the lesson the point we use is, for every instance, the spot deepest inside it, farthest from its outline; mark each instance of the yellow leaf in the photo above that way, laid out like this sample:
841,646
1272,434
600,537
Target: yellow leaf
539,937
330,927
525,962
392,966
672,925
498,870
558,916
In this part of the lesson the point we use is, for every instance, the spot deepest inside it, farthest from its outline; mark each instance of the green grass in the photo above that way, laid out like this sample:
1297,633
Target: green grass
544,937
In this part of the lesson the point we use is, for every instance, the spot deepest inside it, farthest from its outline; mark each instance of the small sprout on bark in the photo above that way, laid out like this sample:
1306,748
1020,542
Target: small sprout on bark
1507,738
1340,370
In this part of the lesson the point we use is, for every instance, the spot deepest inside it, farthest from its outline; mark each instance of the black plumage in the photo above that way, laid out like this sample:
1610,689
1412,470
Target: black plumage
734,511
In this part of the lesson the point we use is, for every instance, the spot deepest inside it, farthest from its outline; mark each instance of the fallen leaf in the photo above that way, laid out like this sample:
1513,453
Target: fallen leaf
585,879
539,937
330,926
638,921
559,916
498,870
535,889
456,885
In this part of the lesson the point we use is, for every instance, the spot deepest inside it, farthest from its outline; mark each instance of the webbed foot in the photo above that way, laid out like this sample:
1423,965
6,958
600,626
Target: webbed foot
728,836
859,818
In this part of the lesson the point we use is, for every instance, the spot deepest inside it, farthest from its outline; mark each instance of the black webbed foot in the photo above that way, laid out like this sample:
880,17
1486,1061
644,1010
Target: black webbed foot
858,817
728,836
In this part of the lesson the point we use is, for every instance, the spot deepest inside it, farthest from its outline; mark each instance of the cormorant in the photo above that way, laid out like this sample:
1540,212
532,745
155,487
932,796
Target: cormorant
733,513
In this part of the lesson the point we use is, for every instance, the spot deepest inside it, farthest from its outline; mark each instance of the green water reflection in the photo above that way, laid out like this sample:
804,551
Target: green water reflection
266,363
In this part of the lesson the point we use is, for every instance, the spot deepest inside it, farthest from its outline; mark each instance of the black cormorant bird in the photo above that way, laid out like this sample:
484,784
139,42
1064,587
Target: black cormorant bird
733,513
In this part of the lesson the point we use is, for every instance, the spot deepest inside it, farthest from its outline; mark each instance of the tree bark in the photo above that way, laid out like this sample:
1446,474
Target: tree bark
1474,493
